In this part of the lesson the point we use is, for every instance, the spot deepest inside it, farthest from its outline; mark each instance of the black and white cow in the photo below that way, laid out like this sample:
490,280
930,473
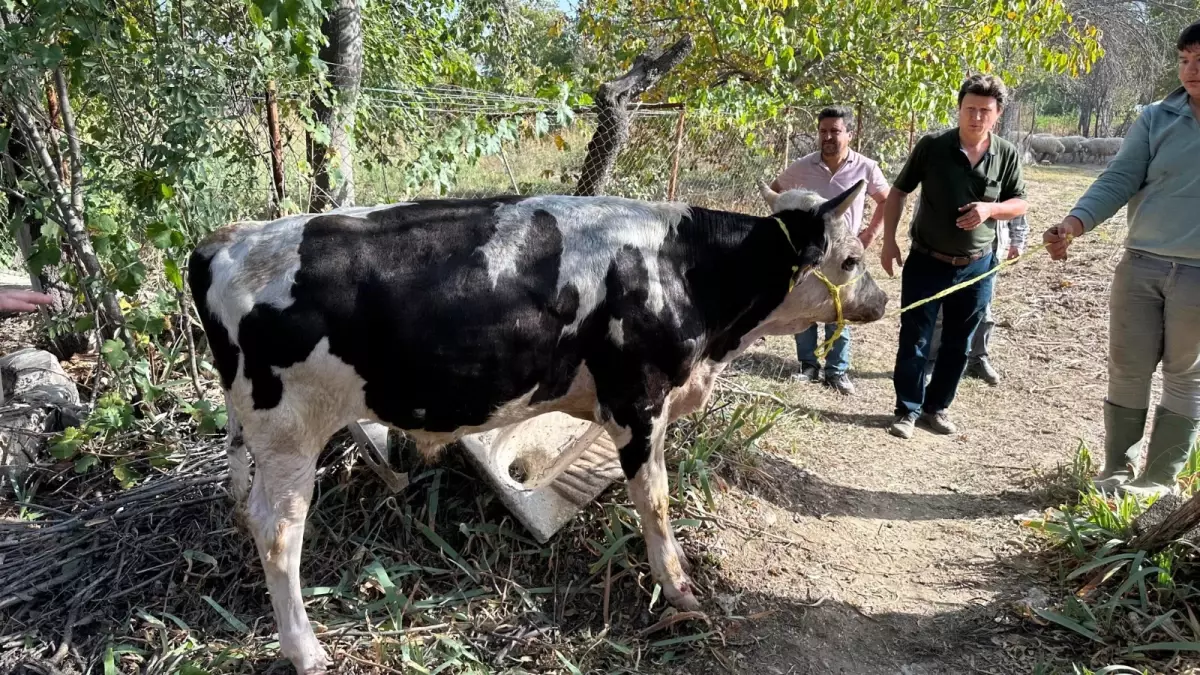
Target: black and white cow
451,317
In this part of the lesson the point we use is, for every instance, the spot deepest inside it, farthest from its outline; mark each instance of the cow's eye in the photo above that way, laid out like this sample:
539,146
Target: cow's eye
850,264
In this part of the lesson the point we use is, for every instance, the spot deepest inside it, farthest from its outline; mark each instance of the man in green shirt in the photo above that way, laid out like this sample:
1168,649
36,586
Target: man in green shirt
969,179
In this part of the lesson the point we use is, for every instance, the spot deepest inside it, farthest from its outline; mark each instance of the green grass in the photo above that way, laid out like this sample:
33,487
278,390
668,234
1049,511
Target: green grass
1127,609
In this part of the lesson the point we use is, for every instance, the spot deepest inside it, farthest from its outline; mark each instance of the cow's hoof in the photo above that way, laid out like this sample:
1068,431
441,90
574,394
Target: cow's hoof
311,661
682,596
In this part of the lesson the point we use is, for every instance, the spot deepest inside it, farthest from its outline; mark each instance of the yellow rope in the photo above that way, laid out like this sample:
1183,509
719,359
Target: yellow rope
981,278
835,290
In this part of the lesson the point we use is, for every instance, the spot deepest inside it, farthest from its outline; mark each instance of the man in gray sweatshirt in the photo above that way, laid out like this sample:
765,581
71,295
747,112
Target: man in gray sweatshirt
1154,304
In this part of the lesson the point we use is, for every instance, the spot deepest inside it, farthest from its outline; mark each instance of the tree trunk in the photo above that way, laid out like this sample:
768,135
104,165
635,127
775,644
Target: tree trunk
1085,118
1165,522
66,201
1008,120
335,108
612,119
48,279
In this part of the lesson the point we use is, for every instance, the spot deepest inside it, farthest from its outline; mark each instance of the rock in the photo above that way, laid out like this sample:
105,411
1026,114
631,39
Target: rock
533,450
1035,598
36,398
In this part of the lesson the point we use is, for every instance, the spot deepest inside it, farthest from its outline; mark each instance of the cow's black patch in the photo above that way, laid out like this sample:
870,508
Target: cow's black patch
405,298
225,353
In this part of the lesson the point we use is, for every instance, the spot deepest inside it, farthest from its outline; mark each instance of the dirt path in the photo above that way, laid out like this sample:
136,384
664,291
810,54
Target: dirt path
903,554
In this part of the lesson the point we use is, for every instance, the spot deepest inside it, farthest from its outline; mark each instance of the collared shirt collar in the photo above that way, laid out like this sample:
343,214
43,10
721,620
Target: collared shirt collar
851,157
1177,102
955,141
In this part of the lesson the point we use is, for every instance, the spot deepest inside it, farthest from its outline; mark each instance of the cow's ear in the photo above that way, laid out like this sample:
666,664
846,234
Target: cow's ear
838,206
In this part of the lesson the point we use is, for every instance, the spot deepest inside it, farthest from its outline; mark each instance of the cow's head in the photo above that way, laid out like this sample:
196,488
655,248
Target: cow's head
842,263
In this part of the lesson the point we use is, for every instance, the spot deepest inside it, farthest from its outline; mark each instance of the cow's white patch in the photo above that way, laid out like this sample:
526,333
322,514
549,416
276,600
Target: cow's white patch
593,231
800,200
321,394
616,332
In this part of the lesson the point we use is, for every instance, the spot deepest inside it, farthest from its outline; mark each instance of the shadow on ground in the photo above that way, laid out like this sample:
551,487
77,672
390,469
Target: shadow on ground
773,366
802,492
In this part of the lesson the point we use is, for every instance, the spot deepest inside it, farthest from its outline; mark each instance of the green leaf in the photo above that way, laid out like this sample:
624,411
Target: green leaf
611,551
114,353
126,475
84,324
85,462
571,667
171,270
200,556
1067,623
67,445
1168,646
130,278
447,549
110,661
159,234
225,614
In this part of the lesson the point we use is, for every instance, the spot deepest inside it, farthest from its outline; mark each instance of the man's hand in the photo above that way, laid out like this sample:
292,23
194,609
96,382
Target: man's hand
867,237
22,301
890,255
1013,253
973,215
1059,237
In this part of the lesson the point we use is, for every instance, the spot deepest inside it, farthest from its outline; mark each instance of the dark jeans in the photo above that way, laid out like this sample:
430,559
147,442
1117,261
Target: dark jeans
962,311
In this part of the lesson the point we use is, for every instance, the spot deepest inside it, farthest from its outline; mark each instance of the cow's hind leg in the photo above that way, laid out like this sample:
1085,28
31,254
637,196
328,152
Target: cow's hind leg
644,464
284,468
239,461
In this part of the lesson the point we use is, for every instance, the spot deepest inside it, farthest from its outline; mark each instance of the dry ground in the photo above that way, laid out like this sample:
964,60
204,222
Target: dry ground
910,547
834,548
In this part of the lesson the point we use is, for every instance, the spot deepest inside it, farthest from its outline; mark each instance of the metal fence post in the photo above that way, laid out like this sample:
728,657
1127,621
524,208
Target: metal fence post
674,182
276,151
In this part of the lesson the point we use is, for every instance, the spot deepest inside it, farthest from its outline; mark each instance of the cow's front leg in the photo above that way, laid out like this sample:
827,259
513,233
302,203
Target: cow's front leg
644,464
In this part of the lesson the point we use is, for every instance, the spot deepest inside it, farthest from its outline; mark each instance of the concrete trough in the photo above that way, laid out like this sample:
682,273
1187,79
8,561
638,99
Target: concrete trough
546,469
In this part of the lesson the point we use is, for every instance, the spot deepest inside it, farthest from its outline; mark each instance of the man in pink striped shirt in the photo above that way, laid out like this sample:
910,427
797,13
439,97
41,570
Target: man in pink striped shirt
829,172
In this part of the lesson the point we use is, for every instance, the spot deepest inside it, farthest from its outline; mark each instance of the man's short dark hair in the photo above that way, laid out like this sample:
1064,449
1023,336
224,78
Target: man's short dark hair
1189,38
984,85
837,112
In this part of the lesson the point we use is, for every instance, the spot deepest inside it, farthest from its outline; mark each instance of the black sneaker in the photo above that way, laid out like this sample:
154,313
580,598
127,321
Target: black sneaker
808,373
840,383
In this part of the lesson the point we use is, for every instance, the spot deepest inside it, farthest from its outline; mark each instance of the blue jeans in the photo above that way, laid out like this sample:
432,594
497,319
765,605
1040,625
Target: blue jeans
962,312
838,359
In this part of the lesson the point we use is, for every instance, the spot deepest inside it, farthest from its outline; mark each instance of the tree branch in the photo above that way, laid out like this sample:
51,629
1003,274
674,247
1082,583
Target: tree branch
612,123
68,121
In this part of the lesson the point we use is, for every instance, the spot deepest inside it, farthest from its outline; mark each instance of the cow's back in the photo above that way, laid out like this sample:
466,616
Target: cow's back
446,309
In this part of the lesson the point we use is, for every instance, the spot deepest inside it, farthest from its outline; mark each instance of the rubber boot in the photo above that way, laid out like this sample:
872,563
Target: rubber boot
1123,431
1172,440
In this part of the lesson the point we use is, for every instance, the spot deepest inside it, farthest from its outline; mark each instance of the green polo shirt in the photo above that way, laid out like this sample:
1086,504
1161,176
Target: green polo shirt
948,181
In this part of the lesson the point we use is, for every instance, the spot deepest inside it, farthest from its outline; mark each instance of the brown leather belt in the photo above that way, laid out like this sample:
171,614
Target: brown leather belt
956,260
